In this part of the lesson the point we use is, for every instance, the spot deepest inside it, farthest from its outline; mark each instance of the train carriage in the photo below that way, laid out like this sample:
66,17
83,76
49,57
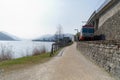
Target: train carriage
87,32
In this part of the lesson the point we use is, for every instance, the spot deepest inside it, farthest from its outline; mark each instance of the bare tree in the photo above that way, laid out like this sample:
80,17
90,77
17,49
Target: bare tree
59,33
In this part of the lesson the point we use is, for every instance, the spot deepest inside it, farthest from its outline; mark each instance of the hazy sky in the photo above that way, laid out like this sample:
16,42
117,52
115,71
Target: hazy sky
34,18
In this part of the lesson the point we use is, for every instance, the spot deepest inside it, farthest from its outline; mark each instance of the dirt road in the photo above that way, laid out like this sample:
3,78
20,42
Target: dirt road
71,65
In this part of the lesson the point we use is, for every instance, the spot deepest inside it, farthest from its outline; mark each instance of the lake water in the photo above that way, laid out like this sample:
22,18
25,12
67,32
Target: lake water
23,48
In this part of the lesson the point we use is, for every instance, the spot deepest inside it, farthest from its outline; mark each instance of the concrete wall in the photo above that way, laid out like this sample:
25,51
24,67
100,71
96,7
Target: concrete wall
109,23
110,28
104,54
109,13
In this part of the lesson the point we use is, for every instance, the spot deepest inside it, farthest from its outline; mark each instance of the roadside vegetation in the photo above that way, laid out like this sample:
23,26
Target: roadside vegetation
5,53
24,62
38,51
38,56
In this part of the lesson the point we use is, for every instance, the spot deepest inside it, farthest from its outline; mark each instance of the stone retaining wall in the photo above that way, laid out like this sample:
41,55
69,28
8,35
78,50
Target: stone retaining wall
105,54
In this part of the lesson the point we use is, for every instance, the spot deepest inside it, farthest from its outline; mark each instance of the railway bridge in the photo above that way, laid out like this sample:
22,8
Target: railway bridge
106,20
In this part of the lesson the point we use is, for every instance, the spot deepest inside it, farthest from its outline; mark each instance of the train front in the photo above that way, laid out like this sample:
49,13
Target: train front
87,33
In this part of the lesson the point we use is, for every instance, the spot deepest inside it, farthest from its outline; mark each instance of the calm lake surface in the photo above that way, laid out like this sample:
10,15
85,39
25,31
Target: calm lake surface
23,48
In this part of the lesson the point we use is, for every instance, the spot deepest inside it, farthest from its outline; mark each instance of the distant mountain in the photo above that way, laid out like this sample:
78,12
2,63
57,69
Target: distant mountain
8,37
52,37
47,37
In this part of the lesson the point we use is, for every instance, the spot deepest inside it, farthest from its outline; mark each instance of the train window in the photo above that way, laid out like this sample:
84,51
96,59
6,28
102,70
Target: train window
84,30
87,30
91,30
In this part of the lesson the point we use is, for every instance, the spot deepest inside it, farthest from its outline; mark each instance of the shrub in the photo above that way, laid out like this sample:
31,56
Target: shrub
38,51
5,54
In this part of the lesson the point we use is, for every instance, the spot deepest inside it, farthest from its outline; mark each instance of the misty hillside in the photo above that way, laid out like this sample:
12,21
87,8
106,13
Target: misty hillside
7,37
51,37
45,37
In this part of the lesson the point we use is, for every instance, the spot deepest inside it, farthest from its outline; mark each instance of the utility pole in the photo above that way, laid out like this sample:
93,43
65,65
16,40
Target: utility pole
76,36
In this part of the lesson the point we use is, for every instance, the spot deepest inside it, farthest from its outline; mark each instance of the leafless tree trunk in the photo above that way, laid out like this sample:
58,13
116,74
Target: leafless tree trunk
59,33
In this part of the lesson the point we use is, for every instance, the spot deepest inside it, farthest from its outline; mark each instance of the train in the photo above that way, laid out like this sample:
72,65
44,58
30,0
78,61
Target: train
87,33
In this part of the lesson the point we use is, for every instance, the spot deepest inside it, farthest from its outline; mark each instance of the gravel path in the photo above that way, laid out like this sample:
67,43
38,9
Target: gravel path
68,65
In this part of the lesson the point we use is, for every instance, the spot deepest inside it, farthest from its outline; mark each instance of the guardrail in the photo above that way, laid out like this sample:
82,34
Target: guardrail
55,47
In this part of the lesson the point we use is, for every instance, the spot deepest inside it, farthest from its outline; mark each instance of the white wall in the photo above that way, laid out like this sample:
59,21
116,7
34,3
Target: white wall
108,14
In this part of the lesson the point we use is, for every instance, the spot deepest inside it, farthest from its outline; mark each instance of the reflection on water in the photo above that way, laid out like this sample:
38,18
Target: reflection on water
22,48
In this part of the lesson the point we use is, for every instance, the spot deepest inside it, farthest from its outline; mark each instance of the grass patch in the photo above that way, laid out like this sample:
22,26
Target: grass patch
25,61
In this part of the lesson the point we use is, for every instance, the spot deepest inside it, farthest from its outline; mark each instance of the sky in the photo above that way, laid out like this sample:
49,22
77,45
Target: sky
30,19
